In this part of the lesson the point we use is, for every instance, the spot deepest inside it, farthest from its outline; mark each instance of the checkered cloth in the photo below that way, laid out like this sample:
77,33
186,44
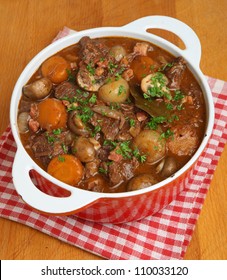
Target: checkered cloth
164,235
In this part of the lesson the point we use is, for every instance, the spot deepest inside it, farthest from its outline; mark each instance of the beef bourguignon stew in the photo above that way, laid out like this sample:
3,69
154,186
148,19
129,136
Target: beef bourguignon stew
112,114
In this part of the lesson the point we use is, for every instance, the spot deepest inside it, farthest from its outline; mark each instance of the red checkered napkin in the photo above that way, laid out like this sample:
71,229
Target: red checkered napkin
164,235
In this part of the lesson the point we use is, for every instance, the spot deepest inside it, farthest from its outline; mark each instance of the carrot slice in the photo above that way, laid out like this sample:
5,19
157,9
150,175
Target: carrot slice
55,68
51,114
66,168
142,66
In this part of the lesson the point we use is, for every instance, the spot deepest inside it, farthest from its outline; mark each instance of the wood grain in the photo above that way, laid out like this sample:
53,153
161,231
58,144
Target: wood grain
28,26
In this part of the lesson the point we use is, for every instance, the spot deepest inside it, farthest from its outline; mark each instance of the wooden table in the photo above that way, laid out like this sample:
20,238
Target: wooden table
28,26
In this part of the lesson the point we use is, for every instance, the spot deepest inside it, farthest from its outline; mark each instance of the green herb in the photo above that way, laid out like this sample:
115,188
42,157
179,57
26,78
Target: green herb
93,98
124,150
114,106
85,114
168,133
110,143
64,148
50,139
90,69
61,158
96,130
153,123
178,95
141,158
111,67
102,170
169,106
164,66
132,122
71,77
180,107
121,90
157,87
57,131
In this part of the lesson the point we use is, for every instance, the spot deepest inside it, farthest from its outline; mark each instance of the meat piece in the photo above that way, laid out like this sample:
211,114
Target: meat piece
175,73
104,152
65,90
87,81
92,50
141,48
40,147
91,168
128,74
33,125
114,156
45,146
184,141
109,127
123,170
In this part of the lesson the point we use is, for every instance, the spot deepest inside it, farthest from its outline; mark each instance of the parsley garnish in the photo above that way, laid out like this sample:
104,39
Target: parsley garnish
153,123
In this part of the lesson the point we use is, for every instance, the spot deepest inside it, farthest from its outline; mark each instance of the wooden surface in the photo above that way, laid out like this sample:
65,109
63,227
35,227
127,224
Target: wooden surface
27,26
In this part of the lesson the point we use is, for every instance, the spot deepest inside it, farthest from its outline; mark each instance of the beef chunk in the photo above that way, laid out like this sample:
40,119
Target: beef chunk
48,145
109,127
185,140
123,170
175,73
65,90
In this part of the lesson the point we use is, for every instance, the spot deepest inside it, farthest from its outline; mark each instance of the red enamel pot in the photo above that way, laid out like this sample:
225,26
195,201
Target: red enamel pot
48,195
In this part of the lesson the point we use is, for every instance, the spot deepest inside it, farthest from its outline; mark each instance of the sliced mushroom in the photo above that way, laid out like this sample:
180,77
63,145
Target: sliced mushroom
76,125
87,81
147,83
22,122
39,89
107,112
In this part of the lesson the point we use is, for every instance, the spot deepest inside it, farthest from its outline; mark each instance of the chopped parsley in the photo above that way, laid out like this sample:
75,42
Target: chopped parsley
157,87
90,69
155,121
132,122
167,134
61,158
121,90
57,131
93,98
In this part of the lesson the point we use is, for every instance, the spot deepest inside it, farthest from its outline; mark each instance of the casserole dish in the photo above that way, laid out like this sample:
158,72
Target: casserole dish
52,196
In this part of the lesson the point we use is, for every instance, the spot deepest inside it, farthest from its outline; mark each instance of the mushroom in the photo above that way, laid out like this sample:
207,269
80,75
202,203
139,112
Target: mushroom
147,82
76,125
38,89
167,167
83,149
22,122
141,181
150,143
87,81
118,52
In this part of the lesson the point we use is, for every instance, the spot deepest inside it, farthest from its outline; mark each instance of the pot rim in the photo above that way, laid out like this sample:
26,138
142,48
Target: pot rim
137,30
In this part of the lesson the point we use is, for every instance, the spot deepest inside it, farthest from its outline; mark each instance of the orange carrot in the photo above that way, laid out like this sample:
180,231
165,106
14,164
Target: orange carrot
51,114
142,66
66,168
55,68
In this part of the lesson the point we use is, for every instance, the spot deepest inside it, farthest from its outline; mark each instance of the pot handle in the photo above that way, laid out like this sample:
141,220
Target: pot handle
183,31
40,200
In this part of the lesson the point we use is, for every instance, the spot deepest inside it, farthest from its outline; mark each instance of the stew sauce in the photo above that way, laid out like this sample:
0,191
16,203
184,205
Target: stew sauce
112,114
